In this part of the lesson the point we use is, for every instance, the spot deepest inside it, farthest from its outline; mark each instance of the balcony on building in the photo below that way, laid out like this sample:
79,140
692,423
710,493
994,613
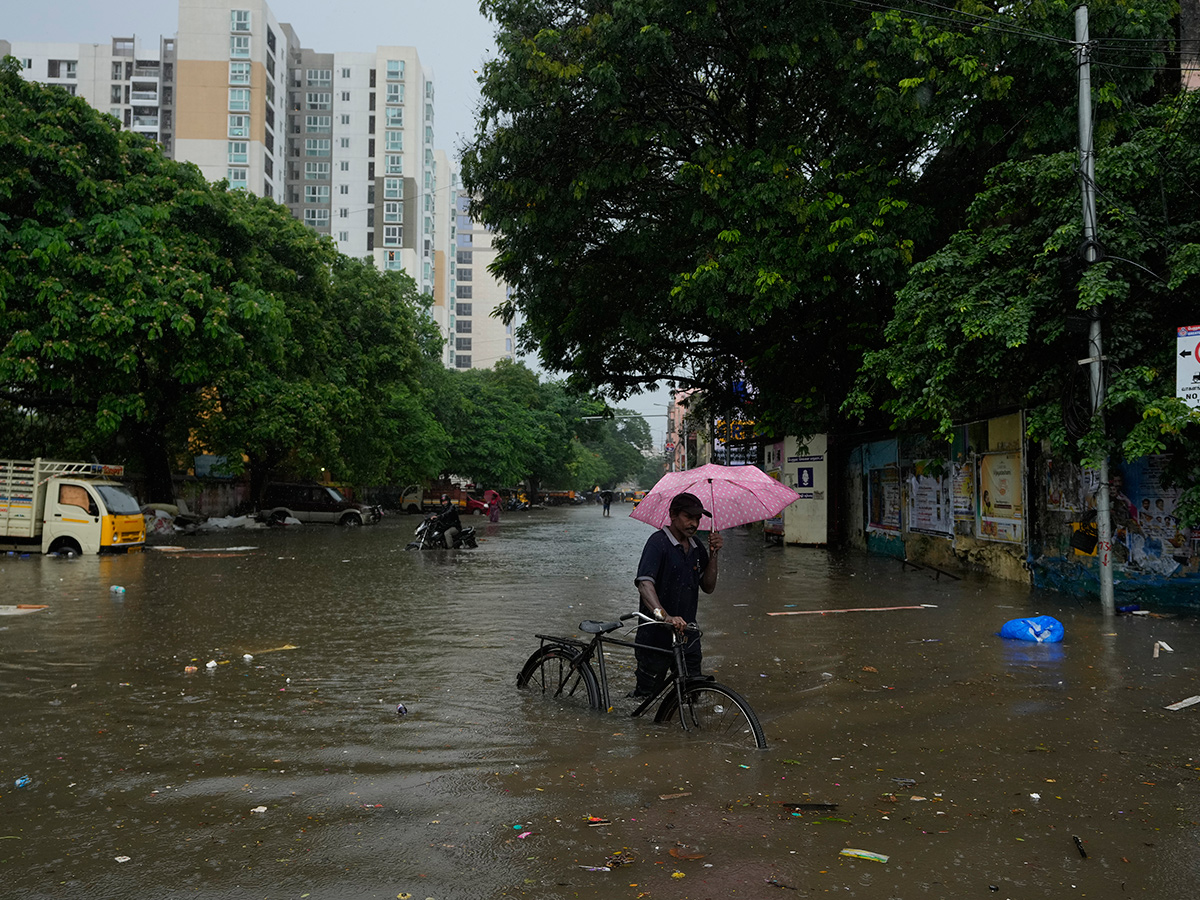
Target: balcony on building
144,91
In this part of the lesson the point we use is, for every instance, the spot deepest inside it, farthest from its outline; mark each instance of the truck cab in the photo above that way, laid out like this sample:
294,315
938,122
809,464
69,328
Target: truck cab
91,517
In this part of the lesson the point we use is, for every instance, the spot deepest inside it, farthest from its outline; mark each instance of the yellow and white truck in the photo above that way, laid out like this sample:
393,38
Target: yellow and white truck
68,507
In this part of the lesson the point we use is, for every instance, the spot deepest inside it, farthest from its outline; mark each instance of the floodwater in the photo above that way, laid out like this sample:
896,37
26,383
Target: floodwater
972,763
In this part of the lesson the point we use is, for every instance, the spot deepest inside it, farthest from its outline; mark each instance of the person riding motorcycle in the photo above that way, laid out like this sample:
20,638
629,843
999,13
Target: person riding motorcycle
446,520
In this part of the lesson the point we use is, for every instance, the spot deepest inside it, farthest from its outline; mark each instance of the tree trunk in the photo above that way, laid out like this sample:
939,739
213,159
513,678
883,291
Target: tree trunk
160,484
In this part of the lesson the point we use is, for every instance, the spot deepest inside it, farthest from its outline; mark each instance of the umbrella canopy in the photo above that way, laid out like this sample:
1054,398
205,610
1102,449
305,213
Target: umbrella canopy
734,495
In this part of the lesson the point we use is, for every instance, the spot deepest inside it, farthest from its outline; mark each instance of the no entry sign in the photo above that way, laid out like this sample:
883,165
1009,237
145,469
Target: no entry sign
1187,365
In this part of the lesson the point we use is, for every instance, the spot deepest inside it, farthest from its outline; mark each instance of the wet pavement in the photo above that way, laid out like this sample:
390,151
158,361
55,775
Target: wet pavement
972,763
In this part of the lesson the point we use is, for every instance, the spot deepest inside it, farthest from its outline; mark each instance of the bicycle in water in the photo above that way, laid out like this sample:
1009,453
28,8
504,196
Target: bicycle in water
572,670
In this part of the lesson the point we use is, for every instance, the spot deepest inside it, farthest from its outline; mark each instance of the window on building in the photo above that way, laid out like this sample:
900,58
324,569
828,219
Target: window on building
61,68
393,140
463,223
316,193
344,143
463,309
117,68
463,292
463,257
462,362
239,126
462,343
395,94
316,217
115,95
392,212
343,236
239,46
464,274
344,213
27,63
395,70
239,99
317,147
270,40
344,189
237,178
345,96
345,165
393,189
394,116
391,260
462,326
319,124
316,171
239,151
239,73
345,73
318,100
391,235
393,164
239,20
345,118
320,77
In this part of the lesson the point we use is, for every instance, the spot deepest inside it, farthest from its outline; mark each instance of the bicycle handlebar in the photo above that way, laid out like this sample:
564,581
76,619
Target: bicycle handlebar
643,619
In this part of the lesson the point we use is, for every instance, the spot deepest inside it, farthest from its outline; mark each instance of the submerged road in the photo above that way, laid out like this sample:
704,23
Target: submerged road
976,766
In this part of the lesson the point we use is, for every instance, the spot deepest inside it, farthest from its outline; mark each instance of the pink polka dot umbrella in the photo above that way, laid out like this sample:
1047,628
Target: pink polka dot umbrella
734,495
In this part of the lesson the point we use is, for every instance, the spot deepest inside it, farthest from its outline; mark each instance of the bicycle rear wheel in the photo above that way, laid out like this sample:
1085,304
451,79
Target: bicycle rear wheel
716,713
560,673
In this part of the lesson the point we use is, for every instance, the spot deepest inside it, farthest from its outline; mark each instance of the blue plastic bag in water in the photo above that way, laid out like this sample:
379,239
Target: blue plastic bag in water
1043,629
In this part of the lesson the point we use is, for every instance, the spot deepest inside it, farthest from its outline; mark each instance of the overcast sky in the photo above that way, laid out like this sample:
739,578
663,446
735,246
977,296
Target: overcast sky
451,36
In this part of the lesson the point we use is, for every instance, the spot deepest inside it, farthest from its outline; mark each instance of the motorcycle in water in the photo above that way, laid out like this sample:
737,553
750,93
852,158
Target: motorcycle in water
429,536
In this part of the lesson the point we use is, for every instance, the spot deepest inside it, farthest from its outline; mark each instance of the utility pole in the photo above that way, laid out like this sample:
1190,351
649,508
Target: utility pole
1092,252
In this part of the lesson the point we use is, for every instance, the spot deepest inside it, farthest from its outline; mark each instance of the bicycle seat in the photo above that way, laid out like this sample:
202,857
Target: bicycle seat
591,626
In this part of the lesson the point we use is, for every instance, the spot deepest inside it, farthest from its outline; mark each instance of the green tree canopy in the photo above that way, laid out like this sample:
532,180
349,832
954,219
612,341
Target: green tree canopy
730,193
999,316
144,310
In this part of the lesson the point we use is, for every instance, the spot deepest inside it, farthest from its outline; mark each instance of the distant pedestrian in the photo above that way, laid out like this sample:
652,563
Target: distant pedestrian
606,499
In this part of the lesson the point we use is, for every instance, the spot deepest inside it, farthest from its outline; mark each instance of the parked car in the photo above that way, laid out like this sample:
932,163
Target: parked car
314,503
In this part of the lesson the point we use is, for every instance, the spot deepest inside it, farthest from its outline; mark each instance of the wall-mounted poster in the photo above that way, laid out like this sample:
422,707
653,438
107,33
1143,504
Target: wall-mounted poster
883,493
927,500
963,474
1001,511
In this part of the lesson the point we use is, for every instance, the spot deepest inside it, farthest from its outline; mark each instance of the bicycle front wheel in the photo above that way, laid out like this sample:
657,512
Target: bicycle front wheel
560,673
716,713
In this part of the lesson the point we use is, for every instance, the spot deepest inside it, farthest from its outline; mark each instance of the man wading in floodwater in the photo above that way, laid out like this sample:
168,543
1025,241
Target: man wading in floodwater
673,569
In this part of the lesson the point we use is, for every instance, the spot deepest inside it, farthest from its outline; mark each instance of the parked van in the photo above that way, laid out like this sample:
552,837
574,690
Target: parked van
314,503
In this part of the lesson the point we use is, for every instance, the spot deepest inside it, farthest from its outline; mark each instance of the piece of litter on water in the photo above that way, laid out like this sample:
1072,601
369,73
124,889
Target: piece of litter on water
596,868
259,809
1190,701
674,796
864,854
596,821
121,858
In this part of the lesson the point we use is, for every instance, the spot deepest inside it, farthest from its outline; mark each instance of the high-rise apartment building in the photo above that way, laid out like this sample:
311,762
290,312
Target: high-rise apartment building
344,139
130,81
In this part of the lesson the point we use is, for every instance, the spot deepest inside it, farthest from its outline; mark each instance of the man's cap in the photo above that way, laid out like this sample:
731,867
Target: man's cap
445,497
688,503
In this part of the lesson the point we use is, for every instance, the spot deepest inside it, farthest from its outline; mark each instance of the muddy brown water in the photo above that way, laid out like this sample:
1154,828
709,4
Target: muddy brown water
971,762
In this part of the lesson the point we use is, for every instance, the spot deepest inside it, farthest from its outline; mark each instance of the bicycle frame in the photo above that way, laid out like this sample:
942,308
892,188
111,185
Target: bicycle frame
676,678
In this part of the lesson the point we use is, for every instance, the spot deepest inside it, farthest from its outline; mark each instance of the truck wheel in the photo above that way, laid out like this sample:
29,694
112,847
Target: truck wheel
66,547
350,520
413,508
